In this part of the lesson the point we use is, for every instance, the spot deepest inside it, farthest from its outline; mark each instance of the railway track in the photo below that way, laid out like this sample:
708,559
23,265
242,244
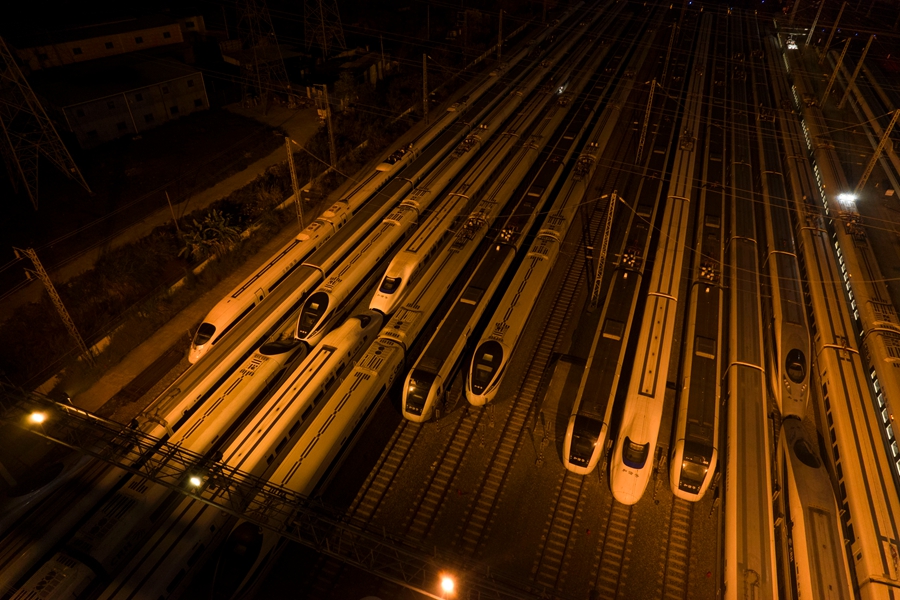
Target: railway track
676,559
549,569
613,554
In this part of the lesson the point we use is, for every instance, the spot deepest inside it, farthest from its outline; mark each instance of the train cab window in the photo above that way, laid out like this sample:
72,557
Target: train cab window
585,434
312,312
204,333
390,285
795,365
487,361
806,454
417,391
635,455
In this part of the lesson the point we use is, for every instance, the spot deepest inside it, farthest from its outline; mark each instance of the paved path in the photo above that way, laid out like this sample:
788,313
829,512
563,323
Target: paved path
300,125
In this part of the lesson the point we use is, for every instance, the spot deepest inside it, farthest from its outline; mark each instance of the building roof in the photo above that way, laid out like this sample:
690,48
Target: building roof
90,80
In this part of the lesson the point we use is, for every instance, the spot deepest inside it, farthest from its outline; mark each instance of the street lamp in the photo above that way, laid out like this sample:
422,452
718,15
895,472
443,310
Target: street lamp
448,585
37,417
195,481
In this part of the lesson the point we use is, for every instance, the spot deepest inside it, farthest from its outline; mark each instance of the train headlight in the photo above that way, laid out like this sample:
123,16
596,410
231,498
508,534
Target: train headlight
37,417
847,198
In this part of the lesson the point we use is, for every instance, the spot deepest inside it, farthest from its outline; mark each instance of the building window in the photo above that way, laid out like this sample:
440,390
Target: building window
198,103
79,112
190,83
111,104
138,97
166,34
189,24
109,45
165,89
92,134
121,126
138,40
148,118
76,50
42,56
174,110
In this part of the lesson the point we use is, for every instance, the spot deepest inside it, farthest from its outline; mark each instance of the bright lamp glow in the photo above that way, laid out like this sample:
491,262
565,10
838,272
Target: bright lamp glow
847,198
37,417
195,481
447,584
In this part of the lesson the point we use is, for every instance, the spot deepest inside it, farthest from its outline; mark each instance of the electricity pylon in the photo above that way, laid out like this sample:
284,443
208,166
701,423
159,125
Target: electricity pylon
322,26
262,66
27,132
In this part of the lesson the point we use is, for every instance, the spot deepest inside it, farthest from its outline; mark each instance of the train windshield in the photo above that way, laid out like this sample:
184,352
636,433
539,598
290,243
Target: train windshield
585,435
692,476
313,310
420,383
635,455
485,364
796,365
204,333
390,285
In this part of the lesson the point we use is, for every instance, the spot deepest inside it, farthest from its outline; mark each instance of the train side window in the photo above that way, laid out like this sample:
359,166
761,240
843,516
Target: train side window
294,429
319,397
270,459
281,445
306,412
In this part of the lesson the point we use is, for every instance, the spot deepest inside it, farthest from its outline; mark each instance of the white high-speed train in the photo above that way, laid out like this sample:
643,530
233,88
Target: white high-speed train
820,566
498,342
749,556
109,536
425,383
695,442
413,258
862,464
788,332
631,462
334,297
240,301
178,540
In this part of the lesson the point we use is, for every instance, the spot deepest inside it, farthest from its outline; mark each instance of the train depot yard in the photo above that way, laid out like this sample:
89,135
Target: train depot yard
620,323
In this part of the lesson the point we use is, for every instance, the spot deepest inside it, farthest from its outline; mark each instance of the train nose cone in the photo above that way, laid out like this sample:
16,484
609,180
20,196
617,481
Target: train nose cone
195,353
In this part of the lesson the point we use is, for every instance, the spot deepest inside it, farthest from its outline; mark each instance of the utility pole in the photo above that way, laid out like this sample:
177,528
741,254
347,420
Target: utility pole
172,210
425,87
322,25
330,128
604,247
383,66
794,11
261,62
294,183
42,274
27,133
833,30
837,68
500,38
884,140
856,71
812,27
